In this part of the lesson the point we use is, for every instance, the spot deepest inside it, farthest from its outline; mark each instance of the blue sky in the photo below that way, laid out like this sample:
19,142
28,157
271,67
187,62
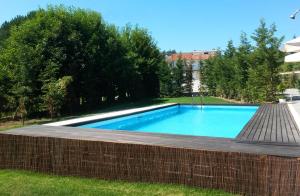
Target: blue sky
183,25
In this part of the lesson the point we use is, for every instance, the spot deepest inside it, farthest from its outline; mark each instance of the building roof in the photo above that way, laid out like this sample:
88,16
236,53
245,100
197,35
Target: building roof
195,55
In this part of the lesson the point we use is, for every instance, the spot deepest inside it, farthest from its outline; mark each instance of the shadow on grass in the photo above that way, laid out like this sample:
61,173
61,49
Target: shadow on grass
115,107
10,124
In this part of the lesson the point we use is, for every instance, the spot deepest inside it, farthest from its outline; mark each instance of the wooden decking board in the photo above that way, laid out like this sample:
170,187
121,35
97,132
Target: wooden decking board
257,129
273,136
283,127
155,139
272,123
288,123
278,126
243,134
265,126
295,131
255,124
251,124
292,125
269,131
287,130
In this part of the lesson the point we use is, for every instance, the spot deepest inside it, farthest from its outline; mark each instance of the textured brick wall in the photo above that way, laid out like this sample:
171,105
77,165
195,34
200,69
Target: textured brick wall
234,172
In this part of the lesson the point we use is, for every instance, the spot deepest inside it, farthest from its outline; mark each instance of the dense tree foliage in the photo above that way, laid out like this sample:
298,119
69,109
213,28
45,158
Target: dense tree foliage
6,26
166,80
249,73
188,77
63,60
290,78
178,77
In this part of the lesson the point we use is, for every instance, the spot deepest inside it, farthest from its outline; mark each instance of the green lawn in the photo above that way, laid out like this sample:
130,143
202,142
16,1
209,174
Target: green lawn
197,100
155,101
119,106
30,183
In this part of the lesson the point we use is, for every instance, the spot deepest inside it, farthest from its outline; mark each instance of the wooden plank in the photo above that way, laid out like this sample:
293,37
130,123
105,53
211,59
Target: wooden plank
266,125
285,138
273,133
287,122
243,135
271,127
154,139
261,124
253,129
273,123
278,126
293,126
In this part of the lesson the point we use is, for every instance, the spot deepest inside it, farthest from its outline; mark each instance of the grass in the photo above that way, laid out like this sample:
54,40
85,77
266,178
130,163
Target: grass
14,182
197,100
16,124
121,106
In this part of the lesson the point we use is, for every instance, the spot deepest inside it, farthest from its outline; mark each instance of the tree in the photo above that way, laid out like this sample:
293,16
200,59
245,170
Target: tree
246,72
188,79
55,93
21,109
178,77
228,80
292,80
298,84
5,87
168,52
7,26
209,73
145,57
243,64
166,80
107,64
267,58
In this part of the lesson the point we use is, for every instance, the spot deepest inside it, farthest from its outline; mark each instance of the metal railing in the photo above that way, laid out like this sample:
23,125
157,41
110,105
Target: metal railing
194,100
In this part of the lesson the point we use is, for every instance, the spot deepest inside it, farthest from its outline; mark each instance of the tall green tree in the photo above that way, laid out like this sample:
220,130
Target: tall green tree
166,80
55,93
188,77
6,99
209,73
243,64
144,57
267,58
178,77
248,73
228,80
7,26
106,64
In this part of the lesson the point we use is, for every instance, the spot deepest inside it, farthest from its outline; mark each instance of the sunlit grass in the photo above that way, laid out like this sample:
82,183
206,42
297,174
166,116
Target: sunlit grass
14,182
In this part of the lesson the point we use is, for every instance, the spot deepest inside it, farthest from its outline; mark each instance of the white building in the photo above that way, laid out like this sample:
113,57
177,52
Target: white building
195,57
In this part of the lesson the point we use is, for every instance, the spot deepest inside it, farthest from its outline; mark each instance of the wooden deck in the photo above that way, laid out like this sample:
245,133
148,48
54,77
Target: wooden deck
273,124
264,159
154,139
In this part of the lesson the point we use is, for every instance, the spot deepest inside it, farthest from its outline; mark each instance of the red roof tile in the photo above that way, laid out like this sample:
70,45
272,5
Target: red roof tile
192,56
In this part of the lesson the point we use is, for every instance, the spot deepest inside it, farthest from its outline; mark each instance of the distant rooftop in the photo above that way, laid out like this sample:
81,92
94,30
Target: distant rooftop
195,55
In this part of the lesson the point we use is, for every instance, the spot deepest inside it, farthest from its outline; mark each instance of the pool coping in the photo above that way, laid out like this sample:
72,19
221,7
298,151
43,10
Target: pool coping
214,144
207,162
156,139
127,112
108,115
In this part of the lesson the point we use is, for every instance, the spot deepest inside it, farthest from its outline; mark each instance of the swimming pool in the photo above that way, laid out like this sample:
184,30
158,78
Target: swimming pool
215,121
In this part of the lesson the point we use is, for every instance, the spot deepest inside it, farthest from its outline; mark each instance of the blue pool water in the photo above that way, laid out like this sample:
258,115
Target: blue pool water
214,121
